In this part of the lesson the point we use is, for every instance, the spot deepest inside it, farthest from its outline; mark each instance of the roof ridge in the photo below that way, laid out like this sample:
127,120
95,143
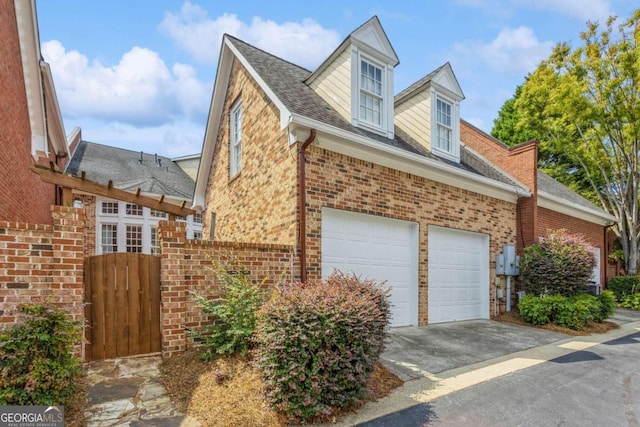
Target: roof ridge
265,52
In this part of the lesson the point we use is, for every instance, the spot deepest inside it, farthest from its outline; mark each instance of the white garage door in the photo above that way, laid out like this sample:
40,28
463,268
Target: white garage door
458,275
376,248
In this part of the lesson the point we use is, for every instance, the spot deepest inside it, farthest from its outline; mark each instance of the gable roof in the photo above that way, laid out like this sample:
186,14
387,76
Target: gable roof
443,76
45,118
369,34
103,163
285,84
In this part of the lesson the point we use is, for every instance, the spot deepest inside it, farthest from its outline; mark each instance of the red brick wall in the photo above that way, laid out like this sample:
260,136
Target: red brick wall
187,268
521,162
341,182
42,263
25,198
593,233
265,189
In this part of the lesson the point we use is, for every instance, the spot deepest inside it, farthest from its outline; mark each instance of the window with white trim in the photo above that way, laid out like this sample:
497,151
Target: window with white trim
371,93
235,141
444,129
127,227
109,208
155,246
134,238
109,238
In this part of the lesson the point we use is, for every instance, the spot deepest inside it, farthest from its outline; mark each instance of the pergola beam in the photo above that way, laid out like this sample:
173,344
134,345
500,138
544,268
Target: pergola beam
83,184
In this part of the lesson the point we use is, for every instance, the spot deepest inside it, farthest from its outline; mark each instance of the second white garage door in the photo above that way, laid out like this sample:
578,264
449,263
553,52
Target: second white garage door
458,275
377,248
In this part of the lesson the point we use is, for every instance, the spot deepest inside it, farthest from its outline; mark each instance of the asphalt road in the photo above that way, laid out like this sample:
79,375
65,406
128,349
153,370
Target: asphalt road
599,386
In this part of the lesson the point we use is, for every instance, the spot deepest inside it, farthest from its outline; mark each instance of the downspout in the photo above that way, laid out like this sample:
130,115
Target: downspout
302,207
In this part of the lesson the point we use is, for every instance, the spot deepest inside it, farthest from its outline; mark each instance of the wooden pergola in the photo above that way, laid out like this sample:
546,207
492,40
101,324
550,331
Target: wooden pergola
68,183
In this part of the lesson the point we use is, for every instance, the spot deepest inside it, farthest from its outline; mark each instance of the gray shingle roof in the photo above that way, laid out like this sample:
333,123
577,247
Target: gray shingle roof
555,188
286,80
103,163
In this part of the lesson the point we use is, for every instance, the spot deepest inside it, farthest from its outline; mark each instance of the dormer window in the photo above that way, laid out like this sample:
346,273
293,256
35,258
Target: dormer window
443,123
371,92
371,95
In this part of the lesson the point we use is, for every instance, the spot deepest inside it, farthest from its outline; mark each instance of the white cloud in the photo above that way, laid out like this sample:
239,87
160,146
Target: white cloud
305,43
139,90
514,50
173,139
583,10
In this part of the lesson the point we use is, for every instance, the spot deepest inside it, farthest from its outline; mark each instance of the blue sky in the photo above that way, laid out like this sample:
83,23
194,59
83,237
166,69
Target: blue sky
138,74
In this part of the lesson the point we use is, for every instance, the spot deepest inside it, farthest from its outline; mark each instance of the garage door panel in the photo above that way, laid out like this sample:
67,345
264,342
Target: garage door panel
374,248
458,275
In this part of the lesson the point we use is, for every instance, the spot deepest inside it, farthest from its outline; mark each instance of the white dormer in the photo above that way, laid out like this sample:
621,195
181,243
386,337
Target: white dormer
357,79
429,111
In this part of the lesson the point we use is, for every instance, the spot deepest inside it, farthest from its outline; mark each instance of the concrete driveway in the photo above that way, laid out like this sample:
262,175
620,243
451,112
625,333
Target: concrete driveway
419,351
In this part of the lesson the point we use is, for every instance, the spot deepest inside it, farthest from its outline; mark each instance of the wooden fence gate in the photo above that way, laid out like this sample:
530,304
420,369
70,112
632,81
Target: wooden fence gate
123,311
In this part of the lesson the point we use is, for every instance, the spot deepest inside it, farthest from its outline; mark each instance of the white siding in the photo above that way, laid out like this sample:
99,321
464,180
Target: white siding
334,84
413,116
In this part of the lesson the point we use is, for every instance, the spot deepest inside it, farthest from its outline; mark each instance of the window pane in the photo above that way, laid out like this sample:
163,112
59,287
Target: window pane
197,235
134,210
134,238
197,218
153,213
235,149
109,238
109,207
155,248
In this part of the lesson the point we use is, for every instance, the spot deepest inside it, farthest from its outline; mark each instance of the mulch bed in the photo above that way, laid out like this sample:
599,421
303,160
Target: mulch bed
229,390
592,327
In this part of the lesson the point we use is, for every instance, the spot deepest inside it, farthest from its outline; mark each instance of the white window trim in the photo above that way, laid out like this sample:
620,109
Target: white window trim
386,126
235,140
454,154
122,220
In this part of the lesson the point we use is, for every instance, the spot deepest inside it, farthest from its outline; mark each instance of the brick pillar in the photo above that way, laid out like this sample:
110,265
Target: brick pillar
173,311
67,281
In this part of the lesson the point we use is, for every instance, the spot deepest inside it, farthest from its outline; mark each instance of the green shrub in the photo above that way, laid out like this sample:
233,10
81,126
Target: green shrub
533,309
37,366
631,301
607,302
233,314
559,265
624,285
573,312
318,343
577,311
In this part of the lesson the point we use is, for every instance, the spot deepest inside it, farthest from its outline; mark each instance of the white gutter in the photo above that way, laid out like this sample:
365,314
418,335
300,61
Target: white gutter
558,204
405,161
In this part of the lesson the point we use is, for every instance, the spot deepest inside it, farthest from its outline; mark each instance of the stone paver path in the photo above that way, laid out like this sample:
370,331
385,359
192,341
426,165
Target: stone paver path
128,392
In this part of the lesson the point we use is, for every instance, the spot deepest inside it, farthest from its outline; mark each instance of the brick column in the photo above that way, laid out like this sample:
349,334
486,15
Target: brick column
173,311
67,281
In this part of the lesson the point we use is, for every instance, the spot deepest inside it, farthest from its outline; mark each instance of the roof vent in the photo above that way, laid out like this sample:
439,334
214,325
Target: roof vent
140,160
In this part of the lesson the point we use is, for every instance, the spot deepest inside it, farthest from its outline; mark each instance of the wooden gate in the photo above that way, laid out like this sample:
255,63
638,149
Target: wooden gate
123,311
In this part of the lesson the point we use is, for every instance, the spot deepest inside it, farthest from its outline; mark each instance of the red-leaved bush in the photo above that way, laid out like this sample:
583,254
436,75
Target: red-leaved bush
318,343
561,264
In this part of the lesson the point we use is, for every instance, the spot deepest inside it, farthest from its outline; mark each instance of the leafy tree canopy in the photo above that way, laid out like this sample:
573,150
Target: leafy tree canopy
584,103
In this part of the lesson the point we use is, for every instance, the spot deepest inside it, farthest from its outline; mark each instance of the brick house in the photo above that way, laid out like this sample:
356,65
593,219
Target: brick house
31,129
551,206
379,185
122,226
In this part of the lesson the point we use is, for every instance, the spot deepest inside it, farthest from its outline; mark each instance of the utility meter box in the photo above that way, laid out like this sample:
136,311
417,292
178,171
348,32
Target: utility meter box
500,264
511,261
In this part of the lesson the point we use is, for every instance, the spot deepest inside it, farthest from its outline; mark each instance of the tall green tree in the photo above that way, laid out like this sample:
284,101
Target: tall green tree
552,158
585,103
